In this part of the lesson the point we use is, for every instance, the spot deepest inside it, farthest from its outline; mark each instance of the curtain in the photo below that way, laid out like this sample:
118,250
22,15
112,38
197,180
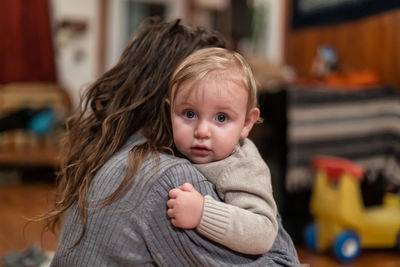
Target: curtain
26,45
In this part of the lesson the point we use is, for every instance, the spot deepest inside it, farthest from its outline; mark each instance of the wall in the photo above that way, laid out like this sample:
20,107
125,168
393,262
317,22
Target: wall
369,43
77,56
267,40
274,49
116,25
77,59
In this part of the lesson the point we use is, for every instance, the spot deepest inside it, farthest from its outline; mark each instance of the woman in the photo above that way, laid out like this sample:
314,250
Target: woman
118,167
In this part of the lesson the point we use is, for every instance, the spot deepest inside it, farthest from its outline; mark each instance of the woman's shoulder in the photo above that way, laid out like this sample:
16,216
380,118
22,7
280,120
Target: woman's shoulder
170,161
120,158
164,166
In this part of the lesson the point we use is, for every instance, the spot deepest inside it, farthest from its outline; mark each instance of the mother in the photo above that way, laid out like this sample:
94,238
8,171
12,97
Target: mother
118,167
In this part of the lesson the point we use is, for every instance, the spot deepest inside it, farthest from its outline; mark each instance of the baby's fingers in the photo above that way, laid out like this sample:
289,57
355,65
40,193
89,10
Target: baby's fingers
171,213
171,203
173,193
187,187
174,222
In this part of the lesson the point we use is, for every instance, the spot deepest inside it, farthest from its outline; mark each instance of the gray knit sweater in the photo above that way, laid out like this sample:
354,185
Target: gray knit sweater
135,230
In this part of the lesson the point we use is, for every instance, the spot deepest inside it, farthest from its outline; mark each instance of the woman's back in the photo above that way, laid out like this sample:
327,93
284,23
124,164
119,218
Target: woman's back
135,231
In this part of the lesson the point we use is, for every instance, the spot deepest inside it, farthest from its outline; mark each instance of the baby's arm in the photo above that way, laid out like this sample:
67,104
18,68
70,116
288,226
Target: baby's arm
237,228
242,228
247,221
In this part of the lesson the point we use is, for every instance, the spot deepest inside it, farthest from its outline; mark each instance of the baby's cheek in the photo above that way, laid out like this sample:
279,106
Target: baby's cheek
182,139
226,147
178,143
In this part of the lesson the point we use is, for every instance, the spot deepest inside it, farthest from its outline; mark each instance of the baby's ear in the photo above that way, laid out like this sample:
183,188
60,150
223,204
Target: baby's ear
252,117
168,102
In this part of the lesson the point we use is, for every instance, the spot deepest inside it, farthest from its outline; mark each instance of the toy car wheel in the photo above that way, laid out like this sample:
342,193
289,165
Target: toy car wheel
310,236
347,246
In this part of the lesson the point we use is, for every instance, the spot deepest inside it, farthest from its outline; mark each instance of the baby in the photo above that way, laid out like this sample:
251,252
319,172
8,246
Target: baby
213,104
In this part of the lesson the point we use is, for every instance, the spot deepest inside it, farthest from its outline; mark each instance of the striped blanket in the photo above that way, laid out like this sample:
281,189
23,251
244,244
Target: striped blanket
363,126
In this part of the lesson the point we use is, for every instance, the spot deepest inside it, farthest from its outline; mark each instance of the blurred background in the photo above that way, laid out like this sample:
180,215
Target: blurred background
329,82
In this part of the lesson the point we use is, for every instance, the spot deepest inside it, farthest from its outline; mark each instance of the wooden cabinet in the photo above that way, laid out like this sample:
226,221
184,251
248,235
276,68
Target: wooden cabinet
20,146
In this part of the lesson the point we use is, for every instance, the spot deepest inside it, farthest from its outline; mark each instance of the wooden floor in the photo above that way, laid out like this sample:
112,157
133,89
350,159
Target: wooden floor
368,258
18,202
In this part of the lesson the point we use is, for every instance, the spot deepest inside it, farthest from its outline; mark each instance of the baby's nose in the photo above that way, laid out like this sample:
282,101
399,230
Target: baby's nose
202,130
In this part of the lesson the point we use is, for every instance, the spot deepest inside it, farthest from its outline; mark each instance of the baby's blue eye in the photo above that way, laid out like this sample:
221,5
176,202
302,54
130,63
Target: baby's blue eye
189,114
221,117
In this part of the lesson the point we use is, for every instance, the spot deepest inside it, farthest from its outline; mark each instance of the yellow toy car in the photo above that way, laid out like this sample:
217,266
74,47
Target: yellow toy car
342,222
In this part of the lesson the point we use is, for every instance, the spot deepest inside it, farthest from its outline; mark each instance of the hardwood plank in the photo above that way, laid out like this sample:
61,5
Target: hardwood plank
17,204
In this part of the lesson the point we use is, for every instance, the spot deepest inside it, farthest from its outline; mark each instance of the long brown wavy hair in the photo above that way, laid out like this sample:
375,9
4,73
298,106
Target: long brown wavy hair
127,99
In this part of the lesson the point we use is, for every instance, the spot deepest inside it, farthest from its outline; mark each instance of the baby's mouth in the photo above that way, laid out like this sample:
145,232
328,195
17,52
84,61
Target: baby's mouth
202,150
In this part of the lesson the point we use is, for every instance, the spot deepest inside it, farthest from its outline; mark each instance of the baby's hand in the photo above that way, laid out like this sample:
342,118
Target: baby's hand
185,206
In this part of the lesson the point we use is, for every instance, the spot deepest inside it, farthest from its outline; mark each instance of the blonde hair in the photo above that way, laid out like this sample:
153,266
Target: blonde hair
204,61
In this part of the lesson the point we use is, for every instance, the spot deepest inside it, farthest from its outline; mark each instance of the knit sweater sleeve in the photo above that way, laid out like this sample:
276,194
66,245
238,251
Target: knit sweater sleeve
170,246
247,221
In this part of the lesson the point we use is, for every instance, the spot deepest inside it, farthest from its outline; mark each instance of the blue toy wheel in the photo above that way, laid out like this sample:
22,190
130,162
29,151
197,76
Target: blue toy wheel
347,246
310,236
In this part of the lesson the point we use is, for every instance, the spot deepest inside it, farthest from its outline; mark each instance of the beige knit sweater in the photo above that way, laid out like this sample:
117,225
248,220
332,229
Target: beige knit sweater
246,220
